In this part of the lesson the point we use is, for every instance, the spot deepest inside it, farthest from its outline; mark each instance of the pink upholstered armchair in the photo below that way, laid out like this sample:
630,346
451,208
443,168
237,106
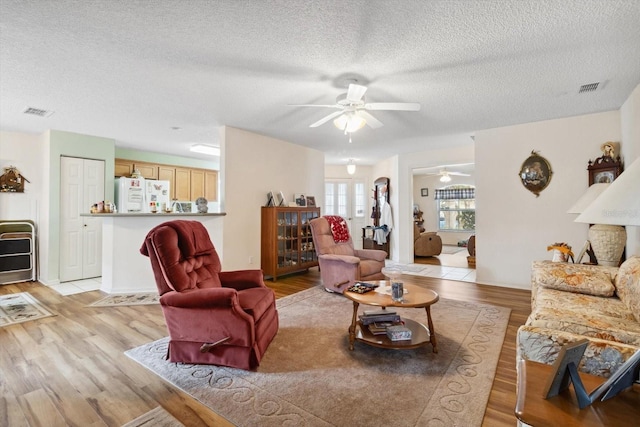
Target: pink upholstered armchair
340,264
213,317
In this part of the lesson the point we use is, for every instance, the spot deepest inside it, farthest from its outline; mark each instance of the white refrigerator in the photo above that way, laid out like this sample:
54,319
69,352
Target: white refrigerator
130,195
157,195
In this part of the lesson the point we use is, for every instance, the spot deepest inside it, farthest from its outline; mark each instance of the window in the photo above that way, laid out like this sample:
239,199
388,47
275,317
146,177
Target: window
456,208
359,199
341,195
335,198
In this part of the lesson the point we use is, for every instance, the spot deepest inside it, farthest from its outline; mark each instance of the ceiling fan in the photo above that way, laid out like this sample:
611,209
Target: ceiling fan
352,111
445,175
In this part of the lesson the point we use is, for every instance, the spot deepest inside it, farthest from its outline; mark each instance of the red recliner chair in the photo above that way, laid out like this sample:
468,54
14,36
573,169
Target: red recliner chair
213,317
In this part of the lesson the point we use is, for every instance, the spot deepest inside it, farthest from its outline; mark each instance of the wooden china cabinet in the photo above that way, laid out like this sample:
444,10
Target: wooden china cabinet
286,244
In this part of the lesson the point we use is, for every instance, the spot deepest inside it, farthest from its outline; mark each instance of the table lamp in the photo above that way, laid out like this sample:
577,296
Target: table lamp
616,206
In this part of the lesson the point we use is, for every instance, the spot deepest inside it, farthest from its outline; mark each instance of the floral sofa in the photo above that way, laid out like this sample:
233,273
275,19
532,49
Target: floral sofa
570,302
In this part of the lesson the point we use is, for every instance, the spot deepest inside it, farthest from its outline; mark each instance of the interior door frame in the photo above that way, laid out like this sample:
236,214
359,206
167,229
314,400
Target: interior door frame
73,226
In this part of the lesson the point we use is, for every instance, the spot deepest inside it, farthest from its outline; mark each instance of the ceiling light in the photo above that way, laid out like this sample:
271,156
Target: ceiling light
350,122
205,149
445,177
351,167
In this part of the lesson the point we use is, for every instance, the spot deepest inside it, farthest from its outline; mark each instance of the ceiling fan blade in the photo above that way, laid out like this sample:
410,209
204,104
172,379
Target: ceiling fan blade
325,119
356,92
458,173
315,105
397,106
371,121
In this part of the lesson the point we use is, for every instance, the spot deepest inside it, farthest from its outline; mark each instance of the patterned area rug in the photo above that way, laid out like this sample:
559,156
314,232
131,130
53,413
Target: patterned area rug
21,307
127,299
308,376
157,417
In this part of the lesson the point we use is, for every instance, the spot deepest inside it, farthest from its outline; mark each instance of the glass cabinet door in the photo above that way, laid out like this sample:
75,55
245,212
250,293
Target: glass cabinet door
307,251
287,239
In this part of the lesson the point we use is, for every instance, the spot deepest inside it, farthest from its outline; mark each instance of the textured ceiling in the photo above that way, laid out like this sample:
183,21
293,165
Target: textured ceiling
132,70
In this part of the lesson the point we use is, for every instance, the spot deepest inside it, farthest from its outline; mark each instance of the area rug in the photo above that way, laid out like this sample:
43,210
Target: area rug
157,417
308,376
127,299
21,307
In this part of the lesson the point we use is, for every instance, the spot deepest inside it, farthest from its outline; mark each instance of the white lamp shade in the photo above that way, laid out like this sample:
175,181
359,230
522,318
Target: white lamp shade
619,204
349,122
351,167
587,198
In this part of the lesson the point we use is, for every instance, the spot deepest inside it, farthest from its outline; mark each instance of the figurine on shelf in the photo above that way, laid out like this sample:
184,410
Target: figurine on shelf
608,150
201,203
12,181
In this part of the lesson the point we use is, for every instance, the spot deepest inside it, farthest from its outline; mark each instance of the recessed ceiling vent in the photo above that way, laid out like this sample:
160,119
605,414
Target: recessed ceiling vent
588,88
37,112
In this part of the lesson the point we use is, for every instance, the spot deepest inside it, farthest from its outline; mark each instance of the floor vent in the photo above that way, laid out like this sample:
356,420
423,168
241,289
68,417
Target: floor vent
37,112
588,88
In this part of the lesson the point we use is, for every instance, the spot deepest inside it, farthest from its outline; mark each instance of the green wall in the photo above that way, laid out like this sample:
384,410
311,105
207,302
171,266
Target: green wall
166,159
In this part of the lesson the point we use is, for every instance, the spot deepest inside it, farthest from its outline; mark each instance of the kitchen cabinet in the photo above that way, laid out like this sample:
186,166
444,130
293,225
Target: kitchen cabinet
183,184
123,167
147,170
186,183
197,184
211,185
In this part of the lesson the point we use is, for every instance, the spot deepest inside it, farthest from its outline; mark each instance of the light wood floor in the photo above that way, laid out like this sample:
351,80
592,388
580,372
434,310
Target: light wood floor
71,369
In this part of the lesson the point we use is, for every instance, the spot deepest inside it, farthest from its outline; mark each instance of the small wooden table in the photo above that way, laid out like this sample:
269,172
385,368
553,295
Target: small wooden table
415,297
563,409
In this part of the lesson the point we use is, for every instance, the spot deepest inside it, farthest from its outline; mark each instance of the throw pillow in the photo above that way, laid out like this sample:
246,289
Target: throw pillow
628,285
573,278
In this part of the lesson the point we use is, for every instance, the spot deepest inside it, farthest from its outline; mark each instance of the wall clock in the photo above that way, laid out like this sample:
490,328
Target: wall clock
535,173
604,169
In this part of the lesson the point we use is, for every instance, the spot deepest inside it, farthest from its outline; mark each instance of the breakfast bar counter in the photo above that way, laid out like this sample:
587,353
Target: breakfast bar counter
124,268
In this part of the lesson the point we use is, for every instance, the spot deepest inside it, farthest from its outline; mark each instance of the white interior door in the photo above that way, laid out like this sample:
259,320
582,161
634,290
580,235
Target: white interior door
347,198
81,185
93,191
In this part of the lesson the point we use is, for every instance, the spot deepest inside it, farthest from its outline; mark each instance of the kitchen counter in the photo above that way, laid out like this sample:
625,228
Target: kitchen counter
124,268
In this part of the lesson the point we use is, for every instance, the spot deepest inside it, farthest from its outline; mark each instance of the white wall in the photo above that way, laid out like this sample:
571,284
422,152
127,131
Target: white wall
630,150
513,226
20,150
253,165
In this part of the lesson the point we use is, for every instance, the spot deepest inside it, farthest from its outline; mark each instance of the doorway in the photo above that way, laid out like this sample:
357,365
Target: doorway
81,185
444,197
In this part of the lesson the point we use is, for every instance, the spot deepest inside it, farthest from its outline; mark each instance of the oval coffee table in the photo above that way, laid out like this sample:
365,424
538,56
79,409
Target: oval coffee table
414,297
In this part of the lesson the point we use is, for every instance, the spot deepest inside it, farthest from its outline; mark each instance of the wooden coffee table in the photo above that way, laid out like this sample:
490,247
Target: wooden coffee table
414,297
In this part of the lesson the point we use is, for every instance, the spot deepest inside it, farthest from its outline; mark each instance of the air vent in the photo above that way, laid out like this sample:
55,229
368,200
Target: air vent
588,88
37,112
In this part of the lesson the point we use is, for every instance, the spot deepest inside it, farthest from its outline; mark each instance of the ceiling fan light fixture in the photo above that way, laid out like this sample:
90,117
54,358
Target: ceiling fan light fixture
445,177
205,149
351,167
349,122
